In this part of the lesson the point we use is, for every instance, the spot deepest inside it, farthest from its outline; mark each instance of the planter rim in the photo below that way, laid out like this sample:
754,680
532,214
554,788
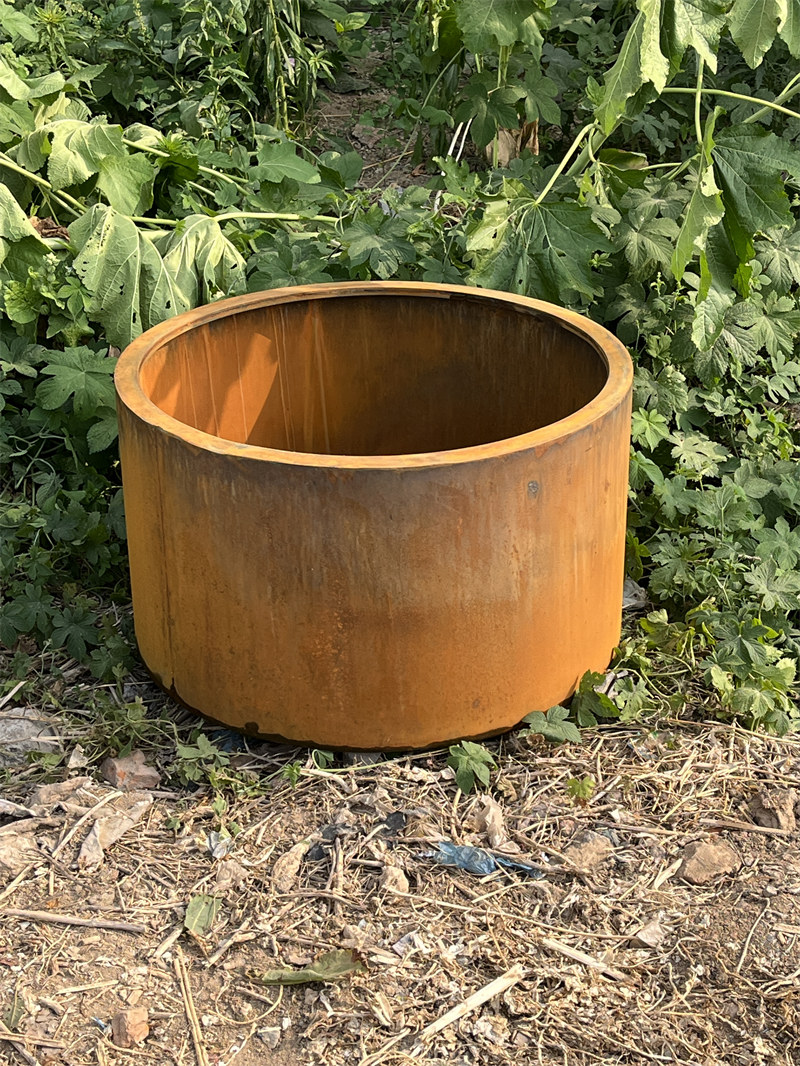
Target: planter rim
132,395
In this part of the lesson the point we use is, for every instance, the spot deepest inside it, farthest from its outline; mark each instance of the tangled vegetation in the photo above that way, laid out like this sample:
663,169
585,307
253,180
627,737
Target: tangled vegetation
643,168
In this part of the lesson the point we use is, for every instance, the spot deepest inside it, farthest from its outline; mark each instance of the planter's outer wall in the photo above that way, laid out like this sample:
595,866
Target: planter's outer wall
375,602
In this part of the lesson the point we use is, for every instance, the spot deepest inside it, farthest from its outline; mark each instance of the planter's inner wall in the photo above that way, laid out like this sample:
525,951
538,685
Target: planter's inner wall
377,375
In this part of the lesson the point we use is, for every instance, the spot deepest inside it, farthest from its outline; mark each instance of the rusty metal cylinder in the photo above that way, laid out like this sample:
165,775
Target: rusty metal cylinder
375,515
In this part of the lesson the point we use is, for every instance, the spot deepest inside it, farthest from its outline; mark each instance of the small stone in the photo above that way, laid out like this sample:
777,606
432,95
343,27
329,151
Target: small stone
651,935
130,773
589,850
129,1027
774,808
705,860
368,135
393,879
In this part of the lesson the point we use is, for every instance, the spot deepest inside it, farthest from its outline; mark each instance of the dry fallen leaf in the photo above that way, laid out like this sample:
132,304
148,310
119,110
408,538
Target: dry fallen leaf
287,866
332,966
125,813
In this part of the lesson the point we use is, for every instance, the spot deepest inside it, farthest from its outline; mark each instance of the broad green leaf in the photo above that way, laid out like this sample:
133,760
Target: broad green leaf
22,302
14,23
33,149
488,108
709,314
553,725
279,161
543,250
649,427
13,84
641,62
654,64
620,159
704,211
103,433
201,911
789,28
131,288
779,255
16,119
774,587
203,262
79,148
694,24
84,76
79,374
331,966
126,181
181,154
29,88
775,325
624,79
753,25
73,629
720,270
380,241
647,242
14,223
346,167
748,165
21,248
487,25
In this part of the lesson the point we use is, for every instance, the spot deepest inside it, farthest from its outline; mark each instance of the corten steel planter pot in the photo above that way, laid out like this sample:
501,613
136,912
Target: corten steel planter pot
378,515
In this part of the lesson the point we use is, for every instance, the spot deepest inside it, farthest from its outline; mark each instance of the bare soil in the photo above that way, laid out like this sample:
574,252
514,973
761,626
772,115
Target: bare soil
718,983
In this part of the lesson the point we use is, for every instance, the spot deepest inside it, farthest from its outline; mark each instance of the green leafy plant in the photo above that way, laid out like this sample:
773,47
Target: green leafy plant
148,167
292,772
581,789
323,760
197,760
554,725
472,763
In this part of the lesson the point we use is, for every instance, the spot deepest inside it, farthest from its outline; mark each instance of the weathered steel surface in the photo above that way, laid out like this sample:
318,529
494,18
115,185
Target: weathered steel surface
378,515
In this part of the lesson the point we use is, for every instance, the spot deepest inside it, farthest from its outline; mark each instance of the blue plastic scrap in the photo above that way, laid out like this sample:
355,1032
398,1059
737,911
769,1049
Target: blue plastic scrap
478,861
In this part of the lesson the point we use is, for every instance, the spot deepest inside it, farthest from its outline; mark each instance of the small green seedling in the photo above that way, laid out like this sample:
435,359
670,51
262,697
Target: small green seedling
553,725
471,762
581,789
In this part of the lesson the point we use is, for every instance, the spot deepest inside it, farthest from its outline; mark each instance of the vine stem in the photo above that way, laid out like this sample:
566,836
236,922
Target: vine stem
165,155
786,93
276,216
734,96
564,160
698,97
68,202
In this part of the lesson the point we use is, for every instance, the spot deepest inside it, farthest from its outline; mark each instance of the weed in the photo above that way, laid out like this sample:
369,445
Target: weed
472,763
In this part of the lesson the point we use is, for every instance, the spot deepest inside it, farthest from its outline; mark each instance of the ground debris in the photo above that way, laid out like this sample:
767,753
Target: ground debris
703,861
118,817
589,850
624,960
775,808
